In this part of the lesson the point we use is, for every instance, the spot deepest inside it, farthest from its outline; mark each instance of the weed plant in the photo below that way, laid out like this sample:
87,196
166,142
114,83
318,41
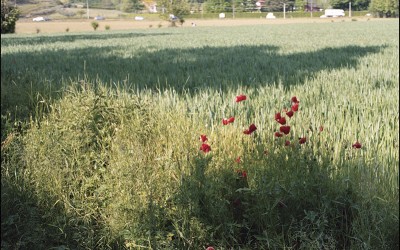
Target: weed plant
106,152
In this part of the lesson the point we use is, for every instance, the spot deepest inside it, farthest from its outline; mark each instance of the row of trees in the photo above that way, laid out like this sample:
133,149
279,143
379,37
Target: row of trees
381,7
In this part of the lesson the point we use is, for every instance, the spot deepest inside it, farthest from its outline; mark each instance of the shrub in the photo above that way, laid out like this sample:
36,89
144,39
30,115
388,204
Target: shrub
95,25
9,16
107,27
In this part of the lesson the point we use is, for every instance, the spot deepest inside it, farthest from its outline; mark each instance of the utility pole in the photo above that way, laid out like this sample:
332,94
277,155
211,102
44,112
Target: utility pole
233,9
349,9
284,10
87,9
311,8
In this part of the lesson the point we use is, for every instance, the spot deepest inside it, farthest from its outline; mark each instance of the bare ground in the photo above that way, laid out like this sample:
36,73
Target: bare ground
27,26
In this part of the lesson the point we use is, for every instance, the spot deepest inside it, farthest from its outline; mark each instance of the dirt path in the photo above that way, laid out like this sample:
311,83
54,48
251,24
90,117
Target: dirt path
30,27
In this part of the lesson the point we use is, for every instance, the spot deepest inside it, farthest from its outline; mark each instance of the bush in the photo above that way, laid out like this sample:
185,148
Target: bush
95,25
9,16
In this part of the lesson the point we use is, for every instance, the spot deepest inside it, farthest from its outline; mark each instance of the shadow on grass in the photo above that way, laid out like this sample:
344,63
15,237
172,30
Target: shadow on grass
25,75
49,39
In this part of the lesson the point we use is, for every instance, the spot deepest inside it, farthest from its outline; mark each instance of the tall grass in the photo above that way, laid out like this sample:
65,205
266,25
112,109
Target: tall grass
108,156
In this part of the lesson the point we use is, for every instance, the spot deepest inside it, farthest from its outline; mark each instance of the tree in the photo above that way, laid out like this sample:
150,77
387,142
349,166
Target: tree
385,8
9,16
175,7
355,4
131,5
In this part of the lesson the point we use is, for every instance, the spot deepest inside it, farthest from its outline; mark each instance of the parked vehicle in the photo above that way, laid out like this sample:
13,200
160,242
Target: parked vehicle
99,18
40,19
333,13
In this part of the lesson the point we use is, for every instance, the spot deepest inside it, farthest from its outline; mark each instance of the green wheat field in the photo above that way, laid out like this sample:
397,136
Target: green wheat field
116,140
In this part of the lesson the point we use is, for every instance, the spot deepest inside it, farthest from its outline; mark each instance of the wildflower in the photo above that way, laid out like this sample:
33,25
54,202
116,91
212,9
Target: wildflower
287,143
289,113
227,121
277,134
205,148
238,159
295,107
240,98
241,173
278,116
357,145
285,129
302,140
321,128
251,129
203,138
210,248
237,202
294,99
282,121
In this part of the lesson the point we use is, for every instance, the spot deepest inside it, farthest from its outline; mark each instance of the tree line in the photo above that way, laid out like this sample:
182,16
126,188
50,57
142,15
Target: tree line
387,8
380,8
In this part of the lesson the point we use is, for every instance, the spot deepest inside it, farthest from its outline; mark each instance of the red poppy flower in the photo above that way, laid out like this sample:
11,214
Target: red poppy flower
203,138
295,107
285,129
225,121
240,98
238,159
251,129
241,173
277,134
294,99
287,143
357,145
302,140
289,113
205,148
321,128
278,116
232,119
210,248
282,121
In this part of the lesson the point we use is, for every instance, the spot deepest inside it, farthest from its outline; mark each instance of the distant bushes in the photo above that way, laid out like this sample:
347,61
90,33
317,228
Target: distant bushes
9,16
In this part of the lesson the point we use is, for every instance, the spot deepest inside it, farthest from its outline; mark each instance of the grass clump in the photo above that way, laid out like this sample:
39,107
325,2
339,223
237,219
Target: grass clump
128,168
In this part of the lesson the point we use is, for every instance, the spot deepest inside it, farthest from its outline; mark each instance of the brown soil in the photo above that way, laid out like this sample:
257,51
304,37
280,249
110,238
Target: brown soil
28,26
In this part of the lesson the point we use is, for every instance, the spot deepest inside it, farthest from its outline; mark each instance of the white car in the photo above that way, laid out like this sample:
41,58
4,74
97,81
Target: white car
270,15
139,18
99,18
40,19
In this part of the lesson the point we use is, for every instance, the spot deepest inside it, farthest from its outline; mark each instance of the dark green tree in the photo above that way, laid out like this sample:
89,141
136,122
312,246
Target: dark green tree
175,7
385,8
355,4
9,17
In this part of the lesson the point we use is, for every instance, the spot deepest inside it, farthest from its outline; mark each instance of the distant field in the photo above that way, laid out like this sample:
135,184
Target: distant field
27,26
